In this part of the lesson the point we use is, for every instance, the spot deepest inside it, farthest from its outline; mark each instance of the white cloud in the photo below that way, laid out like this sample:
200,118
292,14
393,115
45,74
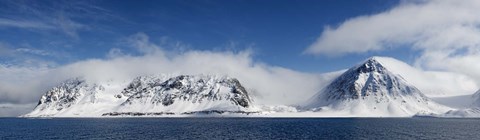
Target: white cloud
142,43
272,85
115,52
446,32
19,84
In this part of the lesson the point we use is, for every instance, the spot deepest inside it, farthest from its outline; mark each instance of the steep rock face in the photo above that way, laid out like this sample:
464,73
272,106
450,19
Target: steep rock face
141,83
370,79
66,95
194,89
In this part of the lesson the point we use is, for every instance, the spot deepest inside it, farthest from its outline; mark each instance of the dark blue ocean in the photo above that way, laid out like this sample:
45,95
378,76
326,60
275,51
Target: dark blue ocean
239,128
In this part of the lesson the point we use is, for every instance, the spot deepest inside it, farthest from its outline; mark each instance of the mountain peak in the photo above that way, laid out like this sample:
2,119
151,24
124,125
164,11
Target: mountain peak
370,79
374,58
372,64
370,87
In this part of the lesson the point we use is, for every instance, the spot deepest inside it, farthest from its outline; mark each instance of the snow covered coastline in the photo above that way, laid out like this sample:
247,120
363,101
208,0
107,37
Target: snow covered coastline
373,88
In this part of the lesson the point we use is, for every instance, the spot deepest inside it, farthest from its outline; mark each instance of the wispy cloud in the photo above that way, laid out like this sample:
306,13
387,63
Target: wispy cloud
68,17
33,51
5,50
68,26
26,56
24,24
142,43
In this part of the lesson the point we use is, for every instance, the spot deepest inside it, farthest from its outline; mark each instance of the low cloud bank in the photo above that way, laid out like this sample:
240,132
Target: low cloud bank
268,84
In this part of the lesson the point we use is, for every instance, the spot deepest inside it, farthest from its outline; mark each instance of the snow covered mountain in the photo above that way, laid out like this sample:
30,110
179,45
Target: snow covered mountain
145,94
66,95
375,88
185,93
370,89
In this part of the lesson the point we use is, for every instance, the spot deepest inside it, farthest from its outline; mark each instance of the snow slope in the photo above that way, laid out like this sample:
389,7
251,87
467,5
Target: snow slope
471,112
370,89
460,101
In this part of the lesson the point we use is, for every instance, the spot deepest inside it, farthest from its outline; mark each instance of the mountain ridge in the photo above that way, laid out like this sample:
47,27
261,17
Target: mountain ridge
76,97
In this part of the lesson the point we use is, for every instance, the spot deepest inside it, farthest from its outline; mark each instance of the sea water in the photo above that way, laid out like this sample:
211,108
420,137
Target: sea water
239,128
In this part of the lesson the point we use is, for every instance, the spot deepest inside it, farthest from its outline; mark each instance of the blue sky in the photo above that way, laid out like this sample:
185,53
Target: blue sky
274,46
278,32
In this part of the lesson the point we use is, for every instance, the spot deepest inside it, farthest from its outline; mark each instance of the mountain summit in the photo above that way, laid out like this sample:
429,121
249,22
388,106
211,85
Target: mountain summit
371,79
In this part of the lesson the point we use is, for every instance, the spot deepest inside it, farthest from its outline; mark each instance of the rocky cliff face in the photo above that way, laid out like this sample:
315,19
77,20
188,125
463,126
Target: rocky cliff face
194,89
371,80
